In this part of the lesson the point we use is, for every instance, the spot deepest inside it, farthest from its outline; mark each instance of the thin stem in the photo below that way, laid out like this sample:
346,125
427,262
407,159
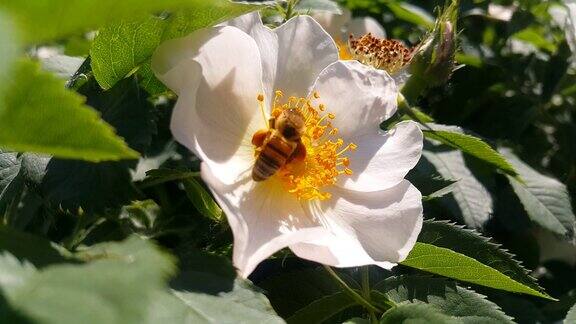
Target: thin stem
351,292
365,273
404,106
179,176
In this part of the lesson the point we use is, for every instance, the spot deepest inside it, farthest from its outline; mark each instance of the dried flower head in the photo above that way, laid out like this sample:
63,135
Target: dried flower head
386,54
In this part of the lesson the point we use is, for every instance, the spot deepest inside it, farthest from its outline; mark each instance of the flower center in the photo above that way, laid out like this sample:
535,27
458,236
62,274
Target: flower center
325,154
386,54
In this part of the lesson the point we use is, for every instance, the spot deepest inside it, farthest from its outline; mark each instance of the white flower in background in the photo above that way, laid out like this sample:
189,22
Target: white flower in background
364,39
499,12
339,26
571,25
346,202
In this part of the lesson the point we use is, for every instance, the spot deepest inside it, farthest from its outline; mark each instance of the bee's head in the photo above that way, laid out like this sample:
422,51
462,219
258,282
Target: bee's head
290,124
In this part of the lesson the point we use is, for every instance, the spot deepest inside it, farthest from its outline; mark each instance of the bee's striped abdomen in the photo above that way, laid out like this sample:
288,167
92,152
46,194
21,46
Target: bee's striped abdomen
275,152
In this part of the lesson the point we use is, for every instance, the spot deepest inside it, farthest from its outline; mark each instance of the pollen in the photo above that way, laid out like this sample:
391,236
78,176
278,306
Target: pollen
385,54
326,155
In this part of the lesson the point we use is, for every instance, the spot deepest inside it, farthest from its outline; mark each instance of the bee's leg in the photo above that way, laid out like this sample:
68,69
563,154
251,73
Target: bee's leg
259,137
299,153
272,122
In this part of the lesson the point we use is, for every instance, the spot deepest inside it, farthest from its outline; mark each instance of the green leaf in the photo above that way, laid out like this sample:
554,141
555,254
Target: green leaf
127,109
472,244
440,192
535,37
24,246
472,201
202,308
571,316
159,176
38,114
122,47
322,309
208,291
97,186
545,199
93,187
412,14
443,295
429,182
417,313
118,282
19,173
140,216
51,20
454,137
290,292
14,272
202,200
447,263
11,182
148,80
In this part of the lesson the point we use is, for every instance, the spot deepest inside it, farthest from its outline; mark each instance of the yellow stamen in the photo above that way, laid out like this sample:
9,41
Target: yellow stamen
324,161
343,50
260,99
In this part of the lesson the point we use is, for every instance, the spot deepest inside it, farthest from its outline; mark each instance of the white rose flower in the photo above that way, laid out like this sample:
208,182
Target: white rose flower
346,202
339,26
368,45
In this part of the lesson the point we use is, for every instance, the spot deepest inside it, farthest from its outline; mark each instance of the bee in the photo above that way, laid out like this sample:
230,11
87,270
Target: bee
280,144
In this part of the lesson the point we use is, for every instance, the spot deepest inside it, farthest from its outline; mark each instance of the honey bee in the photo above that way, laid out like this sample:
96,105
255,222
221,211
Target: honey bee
281,143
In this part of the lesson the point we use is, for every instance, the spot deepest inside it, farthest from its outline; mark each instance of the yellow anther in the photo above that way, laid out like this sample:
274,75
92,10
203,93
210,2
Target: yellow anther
324,161
260,97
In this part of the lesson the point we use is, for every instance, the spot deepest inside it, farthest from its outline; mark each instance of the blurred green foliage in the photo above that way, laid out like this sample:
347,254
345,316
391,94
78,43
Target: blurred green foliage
142,240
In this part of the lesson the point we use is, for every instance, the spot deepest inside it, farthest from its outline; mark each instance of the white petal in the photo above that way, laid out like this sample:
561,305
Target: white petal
172,61
217,117
364,25
292,55
267,42
383,159
263,217
333,23
304,50
571,26
500,12
402,76
360,96
367,228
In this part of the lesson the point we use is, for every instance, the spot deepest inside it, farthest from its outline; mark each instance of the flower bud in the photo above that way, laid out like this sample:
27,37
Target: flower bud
443,58
433,60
